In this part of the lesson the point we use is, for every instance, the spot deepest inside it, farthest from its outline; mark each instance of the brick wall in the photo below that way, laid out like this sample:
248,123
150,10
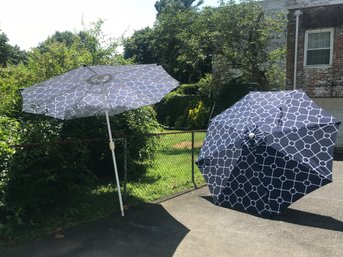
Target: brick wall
317,82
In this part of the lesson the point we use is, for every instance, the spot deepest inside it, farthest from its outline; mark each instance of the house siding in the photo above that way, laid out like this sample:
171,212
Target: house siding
323,85
317,81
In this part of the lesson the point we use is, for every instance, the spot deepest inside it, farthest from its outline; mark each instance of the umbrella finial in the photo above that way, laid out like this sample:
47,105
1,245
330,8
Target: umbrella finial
252,135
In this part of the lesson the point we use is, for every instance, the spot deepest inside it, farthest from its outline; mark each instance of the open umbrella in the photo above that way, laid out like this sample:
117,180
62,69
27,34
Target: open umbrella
267,151
99,90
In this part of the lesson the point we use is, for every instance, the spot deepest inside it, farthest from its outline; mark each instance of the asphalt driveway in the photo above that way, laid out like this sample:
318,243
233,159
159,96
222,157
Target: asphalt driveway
190,225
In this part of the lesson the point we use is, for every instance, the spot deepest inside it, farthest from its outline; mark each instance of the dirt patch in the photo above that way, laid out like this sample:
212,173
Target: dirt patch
187,145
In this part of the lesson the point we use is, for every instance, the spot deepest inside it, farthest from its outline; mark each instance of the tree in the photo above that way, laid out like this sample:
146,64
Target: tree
10,54
233,42
139,48
66,37
4,50
164,6
173,31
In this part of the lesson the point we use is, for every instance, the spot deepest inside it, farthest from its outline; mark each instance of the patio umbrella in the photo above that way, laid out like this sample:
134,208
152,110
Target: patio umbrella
99,90
267,151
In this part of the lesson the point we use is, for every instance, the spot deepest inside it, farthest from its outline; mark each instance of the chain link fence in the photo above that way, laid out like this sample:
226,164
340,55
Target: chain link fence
72,181
172,169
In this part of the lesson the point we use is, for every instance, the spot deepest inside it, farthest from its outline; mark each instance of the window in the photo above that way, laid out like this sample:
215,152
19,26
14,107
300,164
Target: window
318,47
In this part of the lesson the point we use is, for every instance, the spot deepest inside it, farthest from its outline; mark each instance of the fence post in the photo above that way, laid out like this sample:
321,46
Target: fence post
125,171
195,186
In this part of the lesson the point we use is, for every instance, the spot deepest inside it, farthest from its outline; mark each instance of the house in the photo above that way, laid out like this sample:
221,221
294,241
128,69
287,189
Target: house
315,51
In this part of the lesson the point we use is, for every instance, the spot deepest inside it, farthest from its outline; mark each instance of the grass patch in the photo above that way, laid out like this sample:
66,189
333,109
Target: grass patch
171,171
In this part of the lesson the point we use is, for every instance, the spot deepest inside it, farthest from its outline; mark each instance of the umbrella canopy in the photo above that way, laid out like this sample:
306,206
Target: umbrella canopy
95,90
267,151
99,90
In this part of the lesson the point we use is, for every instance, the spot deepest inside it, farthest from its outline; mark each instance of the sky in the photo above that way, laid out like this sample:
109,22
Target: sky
29,22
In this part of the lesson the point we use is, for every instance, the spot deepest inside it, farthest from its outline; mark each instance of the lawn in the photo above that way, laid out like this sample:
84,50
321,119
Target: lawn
172,168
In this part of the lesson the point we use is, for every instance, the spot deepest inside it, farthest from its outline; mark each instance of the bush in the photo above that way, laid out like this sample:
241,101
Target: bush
198,117
45,177
42,173
172,111
8,138
135,125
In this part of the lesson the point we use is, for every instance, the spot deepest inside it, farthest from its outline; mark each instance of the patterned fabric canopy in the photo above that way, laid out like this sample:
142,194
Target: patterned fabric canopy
267,151
93,90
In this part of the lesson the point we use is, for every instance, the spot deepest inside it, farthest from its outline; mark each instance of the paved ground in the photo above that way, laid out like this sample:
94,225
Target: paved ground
190,225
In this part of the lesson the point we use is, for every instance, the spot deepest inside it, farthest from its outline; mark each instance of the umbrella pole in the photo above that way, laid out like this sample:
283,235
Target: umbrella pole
111,145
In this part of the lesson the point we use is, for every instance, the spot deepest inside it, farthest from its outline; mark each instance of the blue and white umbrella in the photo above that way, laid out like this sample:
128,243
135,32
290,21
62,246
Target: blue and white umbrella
267,151
99,90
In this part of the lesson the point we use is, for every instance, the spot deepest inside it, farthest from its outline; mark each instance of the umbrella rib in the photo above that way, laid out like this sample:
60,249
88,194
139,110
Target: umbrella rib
88,67
105,94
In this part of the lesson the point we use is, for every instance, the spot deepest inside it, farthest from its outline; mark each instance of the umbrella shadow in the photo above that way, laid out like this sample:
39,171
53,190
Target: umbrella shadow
298,217
209,198
146,230
310,219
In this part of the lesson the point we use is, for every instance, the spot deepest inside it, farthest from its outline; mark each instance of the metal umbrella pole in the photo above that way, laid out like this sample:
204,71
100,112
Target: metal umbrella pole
111,145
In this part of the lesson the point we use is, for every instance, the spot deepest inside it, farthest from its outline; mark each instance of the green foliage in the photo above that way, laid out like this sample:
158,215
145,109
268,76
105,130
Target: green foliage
175,108
172,111
4,49
199,116
56,59
8,139
12,79
10,54
138,47
45,177
103,49
135,124
188,42
176,47
167,6
247,45
42,174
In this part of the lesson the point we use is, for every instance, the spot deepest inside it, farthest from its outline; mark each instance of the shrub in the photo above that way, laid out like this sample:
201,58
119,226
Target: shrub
42,173
173,109
198,117
8,138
